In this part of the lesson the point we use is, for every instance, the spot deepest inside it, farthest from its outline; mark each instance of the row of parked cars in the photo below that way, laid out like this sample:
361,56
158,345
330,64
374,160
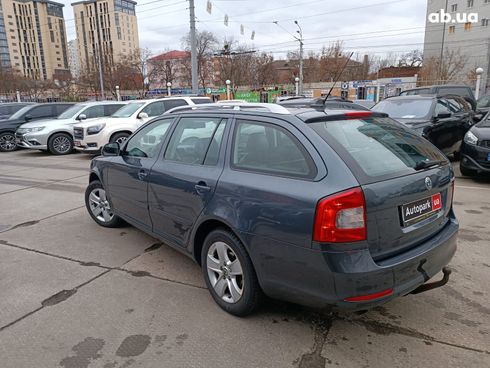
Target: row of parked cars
447,116
61,128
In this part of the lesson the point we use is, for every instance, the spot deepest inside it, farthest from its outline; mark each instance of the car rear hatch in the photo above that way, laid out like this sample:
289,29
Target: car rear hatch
406,181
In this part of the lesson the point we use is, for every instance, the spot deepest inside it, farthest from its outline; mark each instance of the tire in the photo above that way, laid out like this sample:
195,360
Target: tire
119,138
60,144
233,286
99,207
7,142
465,171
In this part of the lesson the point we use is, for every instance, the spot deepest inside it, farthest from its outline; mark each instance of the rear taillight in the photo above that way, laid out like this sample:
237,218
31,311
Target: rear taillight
341,218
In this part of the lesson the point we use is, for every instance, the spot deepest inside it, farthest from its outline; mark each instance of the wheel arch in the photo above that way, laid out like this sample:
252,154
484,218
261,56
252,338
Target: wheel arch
127,131
203,229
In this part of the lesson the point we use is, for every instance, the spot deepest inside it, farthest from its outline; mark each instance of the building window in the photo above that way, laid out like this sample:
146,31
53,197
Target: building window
452,29
470,3
468,26
454,8
485,22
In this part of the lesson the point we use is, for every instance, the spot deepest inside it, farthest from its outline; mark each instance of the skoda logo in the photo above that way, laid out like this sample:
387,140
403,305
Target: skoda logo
428,183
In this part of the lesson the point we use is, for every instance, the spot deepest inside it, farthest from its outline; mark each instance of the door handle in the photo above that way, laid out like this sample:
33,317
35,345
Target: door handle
202,188
142,174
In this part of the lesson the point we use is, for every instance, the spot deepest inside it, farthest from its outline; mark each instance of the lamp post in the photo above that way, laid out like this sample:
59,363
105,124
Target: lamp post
300,40
479,72
296,81
169,88
118,94
228,94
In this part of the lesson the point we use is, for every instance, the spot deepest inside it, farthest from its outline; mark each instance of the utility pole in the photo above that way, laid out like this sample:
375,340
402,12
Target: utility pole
442,48
300,40
101,75
195,86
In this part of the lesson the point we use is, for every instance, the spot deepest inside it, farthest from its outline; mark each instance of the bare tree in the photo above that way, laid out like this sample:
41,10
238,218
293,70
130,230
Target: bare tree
206,43
434,70
413,58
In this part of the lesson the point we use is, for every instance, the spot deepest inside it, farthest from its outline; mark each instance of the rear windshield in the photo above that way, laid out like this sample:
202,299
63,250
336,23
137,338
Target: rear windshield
377,148
405,108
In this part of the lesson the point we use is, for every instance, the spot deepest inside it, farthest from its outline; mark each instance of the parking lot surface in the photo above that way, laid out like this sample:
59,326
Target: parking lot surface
73,294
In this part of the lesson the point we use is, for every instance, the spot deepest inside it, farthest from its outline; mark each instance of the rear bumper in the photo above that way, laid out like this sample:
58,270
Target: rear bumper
322,278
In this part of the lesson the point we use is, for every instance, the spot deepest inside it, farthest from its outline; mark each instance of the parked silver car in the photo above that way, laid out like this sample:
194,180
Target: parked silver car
56,136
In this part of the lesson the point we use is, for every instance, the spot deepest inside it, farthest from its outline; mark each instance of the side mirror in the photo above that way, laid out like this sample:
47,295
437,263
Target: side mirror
82,117
111,149
142,115
28,117
443,115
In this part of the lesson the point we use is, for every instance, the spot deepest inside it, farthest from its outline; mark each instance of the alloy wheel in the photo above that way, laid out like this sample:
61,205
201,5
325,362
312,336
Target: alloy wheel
225,272
121,140
62,144
99,205
7,142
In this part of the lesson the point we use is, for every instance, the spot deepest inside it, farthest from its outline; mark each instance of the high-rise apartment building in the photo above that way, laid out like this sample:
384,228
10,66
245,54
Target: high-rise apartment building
73,58
105,27
33,38
462,26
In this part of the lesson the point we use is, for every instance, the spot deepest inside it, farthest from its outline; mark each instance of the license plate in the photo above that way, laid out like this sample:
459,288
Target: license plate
77,143
419,210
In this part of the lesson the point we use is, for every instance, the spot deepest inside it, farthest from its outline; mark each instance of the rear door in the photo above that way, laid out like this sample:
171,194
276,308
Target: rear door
446,133
183,181
405,203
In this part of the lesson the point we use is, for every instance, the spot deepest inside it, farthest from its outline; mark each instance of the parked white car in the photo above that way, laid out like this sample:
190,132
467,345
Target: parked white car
56,135
91,136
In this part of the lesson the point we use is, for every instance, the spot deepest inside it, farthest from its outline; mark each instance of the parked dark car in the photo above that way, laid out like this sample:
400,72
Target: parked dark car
443,121
24,115
329,104
475,151
483,104
343,208
443,90
10,108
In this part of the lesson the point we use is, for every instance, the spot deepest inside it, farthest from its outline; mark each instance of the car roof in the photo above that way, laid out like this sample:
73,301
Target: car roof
413,97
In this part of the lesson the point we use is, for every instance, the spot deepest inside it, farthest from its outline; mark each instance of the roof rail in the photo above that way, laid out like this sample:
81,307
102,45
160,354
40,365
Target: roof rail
234,106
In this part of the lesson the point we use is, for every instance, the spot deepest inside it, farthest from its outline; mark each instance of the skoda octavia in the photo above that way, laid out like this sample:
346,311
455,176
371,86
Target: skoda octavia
348,209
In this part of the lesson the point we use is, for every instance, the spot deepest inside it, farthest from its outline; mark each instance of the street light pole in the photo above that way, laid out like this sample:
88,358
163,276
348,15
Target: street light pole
296,81
479,72
169,89
228,93
300,39
101,75
195,86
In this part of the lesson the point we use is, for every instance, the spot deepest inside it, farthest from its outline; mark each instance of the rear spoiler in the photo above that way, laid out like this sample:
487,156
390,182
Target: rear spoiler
347,116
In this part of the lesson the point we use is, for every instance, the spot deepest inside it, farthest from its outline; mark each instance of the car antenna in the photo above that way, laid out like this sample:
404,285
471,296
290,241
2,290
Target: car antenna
338,77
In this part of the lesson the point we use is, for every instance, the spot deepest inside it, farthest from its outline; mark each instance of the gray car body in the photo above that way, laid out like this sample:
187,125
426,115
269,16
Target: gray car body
273,216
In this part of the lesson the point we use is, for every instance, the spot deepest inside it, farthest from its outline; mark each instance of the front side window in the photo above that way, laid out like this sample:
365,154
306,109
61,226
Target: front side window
268,148
94,112
441,108
196,141
128,110
42,111
111,109
146,142
154,109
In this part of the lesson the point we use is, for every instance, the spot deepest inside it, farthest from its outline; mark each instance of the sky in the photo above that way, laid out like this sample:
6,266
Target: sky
365,26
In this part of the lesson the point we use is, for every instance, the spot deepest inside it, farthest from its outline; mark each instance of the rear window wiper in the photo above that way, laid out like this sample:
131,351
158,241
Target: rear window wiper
426,164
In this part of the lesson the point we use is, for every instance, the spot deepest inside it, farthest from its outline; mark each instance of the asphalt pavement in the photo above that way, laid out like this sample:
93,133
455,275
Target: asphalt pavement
75,295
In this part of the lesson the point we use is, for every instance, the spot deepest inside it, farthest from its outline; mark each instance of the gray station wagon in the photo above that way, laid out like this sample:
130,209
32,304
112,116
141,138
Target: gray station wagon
318,207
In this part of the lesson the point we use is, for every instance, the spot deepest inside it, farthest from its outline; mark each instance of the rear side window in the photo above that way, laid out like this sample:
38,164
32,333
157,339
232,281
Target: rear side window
170,104
61,109
154,109
267,148
460,91
94,111
111,109
196,141
377,148
199,101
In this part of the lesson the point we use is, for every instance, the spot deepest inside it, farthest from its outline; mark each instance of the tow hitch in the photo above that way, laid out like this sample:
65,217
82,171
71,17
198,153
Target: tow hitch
446,271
